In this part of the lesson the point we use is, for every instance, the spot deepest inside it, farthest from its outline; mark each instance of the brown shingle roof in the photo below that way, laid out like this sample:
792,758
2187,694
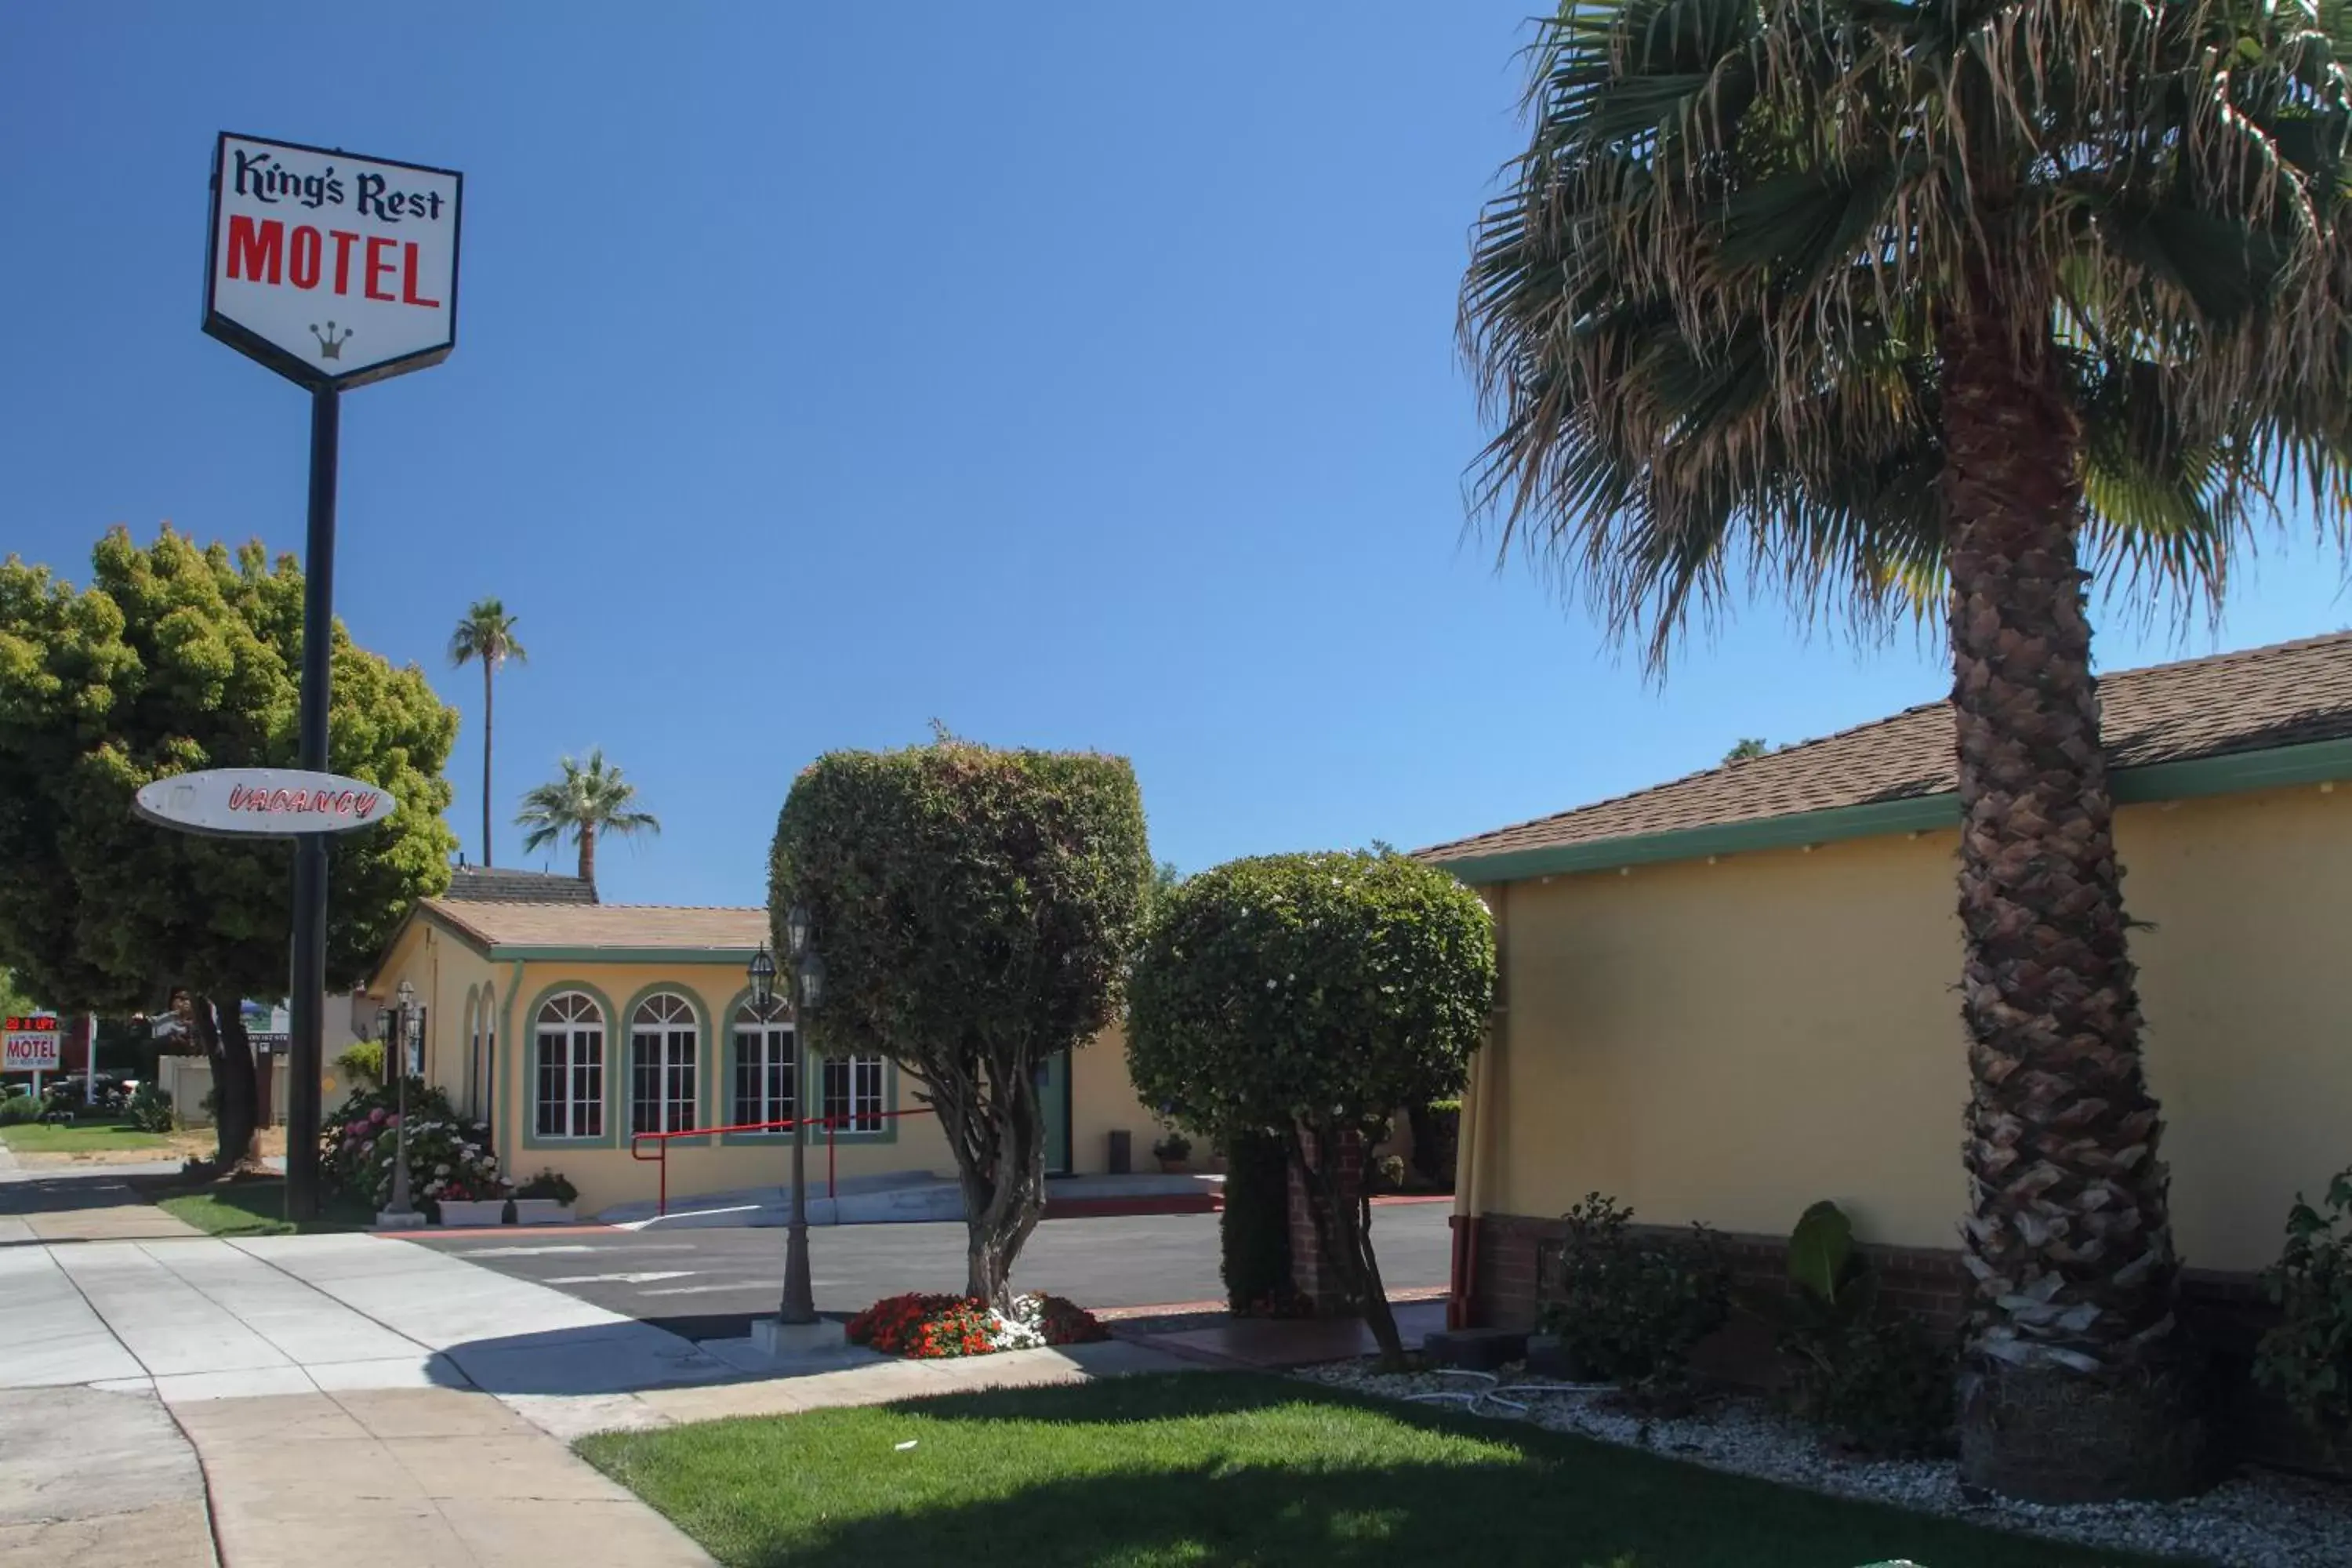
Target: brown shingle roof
481,884
2249,702
618,926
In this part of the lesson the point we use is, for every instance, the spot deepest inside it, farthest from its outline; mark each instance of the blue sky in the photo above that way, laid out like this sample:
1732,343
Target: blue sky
1077,375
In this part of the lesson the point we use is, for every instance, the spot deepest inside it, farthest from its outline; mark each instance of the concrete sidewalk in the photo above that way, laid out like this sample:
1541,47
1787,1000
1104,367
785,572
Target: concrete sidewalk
87,1205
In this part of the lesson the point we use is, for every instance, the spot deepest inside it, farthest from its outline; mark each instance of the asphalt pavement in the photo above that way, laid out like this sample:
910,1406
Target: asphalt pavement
707,1284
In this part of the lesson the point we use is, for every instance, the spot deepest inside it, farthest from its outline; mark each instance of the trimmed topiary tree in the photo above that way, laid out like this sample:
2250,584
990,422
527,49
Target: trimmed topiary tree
1308,996
976,911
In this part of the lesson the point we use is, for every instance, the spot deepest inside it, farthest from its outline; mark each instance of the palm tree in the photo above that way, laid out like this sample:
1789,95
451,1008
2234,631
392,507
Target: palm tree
1887,304
582,801
486,634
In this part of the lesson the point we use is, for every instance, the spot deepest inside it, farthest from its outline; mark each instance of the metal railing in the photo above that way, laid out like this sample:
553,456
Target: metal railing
852,1122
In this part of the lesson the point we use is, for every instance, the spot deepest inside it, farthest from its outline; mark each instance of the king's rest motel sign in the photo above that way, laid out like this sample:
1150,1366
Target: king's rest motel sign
331,269
31,1043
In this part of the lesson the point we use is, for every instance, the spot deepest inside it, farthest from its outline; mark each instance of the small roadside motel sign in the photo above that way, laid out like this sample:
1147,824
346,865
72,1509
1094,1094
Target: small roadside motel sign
277,803
331,269
31,1043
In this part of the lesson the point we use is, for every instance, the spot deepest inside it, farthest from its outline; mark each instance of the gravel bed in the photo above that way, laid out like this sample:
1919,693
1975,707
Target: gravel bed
2257,1520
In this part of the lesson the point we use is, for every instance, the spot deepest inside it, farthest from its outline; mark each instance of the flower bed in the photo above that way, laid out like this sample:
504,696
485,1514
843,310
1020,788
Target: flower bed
934,1326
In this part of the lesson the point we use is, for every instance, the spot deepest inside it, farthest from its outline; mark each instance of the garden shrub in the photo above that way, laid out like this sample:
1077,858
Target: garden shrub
549,1184
150,1110
361,1062
1632,1305
2306,1358
1253,1232
933,1326
1876,1379
1436,1141
449,1156
19,1109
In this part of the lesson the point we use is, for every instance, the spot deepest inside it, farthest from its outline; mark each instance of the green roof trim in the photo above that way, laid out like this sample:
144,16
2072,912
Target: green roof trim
2280,767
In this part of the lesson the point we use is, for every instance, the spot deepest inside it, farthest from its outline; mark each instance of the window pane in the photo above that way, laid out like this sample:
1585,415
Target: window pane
550,1085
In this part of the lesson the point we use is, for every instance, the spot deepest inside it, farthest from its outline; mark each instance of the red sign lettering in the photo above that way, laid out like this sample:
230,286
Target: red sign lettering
379,263
254,249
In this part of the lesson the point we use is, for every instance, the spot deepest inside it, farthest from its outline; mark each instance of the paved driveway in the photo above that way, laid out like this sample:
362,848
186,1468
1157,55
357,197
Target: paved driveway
707,1284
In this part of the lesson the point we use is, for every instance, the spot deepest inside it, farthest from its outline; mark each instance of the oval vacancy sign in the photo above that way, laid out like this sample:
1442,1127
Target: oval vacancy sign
273,802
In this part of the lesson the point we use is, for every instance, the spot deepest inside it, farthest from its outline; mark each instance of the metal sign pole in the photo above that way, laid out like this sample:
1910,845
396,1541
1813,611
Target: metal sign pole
307,997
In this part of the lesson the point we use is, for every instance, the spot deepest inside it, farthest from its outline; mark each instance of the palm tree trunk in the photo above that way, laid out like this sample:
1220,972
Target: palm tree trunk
2073,1387
486,764
588,853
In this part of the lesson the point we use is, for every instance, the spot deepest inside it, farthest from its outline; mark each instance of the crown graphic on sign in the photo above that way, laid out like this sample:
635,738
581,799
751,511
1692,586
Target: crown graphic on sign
330,345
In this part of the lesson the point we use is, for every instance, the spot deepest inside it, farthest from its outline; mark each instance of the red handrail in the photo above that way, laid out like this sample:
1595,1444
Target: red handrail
830,1123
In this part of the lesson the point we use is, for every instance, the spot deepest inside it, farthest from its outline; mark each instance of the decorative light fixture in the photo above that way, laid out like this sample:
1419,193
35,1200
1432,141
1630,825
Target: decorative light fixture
762,970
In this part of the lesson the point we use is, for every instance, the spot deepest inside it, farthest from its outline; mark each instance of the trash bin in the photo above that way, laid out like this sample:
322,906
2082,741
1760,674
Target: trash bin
1122,1151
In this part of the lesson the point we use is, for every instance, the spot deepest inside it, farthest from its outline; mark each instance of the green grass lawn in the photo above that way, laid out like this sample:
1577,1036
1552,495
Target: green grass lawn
258,1207
1206,1469
80,1138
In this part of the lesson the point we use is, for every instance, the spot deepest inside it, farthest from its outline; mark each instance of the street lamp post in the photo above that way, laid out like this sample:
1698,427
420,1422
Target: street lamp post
797,1325
401,1214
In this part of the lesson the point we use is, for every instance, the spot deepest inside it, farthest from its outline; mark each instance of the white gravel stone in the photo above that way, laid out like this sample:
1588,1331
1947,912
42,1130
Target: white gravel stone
2257,1520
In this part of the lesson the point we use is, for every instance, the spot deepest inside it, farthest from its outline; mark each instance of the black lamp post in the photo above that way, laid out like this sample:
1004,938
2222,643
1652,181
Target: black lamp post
406,1020
799,1305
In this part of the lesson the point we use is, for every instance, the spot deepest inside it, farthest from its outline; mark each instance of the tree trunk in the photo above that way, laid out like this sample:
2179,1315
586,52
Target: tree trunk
1343,1233
998,1137
236,1097
2073,1387
588,853
486,764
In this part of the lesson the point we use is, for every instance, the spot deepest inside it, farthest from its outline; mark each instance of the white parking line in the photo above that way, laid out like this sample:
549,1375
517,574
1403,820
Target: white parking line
469,1254
711,1290
645,1279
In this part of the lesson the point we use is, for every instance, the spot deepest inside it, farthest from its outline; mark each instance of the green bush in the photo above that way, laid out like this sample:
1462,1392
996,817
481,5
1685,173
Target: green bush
19,1109
449,1156
1876,1379
2306,1358
1436,1141
1253,1232
361,1062
1632,1305
549,1184
150,1110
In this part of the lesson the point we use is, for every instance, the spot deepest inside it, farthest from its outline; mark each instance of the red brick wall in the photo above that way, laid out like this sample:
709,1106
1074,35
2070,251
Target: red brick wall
1307,1272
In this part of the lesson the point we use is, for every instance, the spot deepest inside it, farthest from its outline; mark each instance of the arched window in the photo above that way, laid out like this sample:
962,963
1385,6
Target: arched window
571,1068
763,1063
661,1065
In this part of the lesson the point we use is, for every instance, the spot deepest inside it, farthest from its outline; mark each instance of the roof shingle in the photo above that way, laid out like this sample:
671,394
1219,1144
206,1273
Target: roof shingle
2252,701
481,884
618,926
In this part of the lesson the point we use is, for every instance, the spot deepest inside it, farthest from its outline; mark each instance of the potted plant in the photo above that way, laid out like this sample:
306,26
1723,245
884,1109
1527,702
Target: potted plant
1172,1150
545,1199
462,1204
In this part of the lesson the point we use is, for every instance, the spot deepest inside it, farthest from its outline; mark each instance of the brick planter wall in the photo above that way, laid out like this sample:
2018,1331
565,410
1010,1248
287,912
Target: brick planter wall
1309,1272
1517,1268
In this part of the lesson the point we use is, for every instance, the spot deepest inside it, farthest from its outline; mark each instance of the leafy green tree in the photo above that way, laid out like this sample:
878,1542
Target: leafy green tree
175,659
583,800
486,637
975,910
1745,751
1311,997
1888,304
14,1001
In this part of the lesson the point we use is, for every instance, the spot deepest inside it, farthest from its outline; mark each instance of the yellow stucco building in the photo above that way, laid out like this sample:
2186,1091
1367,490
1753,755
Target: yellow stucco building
569,1026
1731,995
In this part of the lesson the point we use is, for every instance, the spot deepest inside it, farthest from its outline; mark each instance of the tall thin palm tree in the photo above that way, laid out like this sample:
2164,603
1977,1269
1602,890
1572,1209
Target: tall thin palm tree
486,635
583,800
1883,305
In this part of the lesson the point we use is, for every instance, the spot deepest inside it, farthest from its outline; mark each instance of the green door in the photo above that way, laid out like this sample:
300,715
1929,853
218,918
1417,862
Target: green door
1054,1100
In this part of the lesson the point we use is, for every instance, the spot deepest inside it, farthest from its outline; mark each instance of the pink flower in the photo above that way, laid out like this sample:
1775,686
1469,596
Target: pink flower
376,1115
391,1122
355,1129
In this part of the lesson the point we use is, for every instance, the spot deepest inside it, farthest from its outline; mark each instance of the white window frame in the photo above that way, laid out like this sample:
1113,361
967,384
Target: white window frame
868,1094
770,1036
664,1021
574,1023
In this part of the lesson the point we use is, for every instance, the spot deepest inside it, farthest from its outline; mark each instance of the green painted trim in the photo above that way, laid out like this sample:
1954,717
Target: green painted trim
2280,767
738,956
510,1127
701,1054
529,1120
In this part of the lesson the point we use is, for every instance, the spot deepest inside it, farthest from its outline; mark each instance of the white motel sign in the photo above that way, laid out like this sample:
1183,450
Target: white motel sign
31,1043
272,801
332,270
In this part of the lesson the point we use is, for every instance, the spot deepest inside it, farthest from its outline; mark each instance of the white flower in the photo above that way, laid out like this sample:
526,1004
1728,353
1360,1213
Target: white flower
1269,984
441,1170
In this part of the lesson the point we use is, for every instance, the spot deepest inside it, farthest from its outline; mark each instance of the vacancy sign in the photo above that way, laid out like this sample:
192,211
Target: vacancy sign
272,801
31,1043
331,269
